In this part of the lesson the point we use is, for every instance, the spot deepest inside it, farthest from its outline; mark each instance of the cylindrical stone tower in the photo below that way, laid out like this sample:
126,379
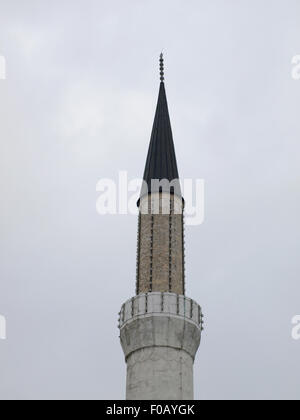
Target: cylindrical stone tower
160,328
160,254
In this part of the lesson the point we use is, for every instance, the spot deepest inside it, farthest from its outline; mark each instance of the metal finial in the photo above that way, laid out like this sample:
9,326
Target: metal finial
161,67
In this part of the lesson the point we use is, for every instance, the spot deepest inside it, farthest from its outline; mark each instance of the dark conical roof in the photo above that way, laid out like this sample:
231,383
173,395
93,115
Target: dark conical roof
161,160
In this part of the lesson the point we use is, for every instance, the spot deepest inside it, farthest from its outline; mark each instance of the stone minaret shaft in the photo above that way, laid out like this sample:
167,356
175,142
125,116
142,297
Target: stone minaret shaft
160,253
160,328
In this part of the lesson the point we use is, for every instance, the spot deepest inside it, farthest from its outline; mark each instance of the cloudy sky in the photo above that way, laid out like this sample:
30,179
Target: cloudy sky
77,106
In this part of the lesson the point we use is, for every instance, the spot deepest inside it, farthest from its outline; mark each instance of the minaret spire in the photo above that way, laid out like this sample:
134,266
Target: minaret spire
161,161
161,68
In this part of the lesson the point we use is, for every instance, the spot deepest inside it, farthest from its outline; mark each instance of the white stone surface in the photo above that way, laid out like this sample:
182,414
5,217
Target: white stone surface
159,373
160,334
163,304
164,198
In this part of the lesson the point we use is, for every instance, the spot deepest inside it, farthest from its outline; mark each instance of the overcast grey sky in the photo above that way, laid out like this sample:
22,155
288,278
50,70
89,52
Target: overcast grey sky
78,105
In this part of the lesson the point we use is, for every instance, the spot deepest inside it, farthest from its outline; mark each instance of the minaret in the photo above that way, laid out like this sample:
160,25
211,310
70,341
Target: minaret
160,328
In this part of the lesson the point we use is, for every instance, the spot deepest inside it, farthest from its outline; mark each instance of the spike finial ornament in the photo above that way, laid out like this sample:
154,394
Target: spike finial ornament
161,67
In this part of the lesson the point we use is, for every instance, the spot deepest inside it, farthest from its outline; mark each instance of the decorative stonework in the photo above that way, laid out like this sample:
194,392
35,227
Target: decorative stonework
162,304
160,249
160,334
